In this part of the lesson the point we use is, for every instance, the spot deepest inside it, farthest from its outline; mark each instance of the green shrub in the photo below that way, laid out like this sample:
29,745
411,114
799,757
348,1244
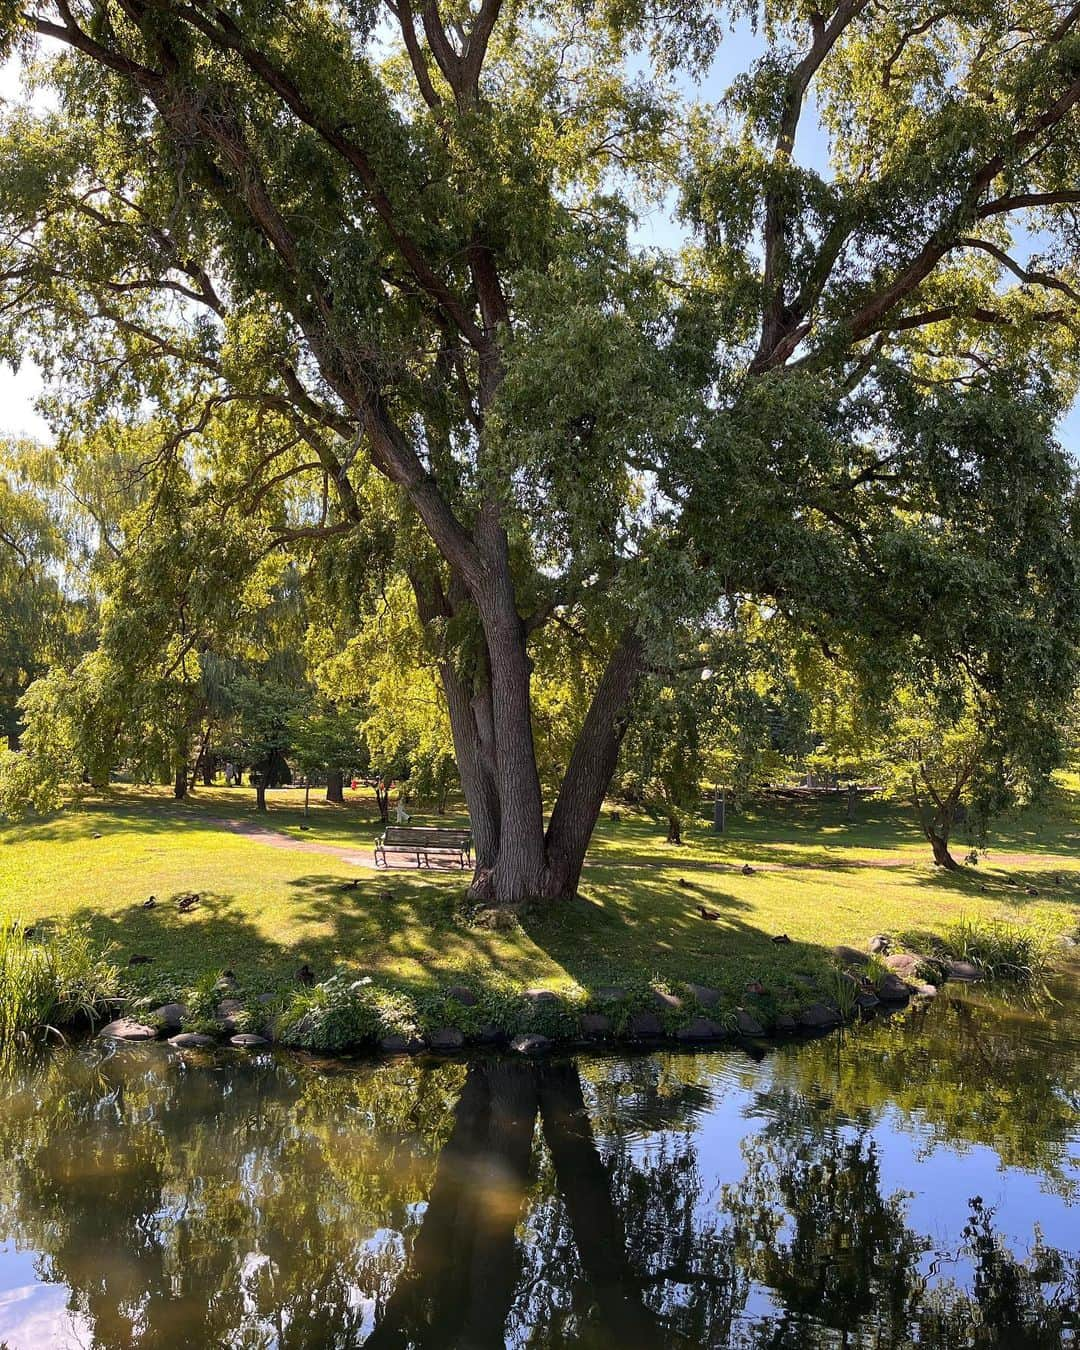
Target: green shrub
50,982
343,1012
876,970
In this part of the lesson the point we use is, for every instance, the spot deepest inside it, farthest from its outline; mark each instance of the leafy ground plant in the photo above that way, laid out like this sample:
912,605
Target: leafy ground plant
344,1012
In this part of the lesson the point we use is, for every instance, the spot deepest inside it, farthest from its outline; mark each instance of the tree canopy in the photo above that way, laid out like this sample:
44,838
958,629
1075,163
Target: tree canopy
368,277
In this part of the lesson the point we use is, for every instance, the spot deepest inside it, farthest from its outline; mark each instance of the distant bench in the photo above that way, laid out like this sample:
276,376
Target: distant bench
423,843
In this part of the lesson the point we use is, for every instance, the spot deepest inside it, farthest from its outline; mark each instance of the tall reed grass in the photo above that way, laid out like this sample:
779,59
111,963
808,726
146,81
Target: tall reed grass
1003,951
50,981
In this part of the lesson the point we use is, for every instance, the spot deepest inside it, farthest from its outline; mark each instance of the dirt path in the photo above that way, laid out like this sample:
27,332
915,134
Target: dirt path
275,839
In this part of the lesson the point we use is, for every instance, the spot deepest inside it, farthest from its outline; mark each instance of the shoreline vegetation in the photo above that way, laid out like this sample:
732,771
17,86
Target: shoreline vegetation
56,984
353,960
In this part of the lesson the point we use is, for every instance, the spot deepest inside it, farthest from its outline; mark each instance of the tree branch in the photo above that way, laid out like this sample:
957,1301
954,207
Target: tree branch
775,319
1033,278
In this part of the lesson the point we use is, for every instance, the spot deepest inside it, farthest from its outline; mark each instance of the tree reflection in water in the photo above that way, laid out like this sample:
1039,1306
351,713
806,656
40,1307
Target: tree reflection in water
269,1202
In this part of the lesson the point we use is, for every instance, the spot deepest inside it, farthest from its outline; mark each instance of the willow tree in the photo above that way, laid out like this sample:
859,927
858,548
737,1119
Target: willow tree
399,240
36,622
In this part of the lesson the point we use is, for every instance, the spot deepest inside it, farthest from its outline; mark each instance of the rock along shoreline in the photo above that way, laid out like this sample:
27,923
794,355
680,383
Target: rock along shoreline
867,984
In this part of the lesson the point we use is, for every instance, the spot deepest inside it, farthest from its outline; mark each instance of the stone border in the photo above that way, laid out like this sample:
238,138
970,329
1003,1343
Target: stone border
613,1018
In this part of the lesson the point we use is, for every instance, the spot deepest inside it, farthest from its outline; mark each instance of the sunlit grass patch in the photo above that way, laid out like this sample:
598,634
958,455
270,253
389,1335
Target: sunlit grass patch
264,910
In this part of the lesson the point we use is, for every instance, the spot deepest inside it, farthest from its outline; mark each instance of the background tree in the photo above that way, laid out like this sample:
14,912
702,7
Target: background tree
325,739
38,623
265,717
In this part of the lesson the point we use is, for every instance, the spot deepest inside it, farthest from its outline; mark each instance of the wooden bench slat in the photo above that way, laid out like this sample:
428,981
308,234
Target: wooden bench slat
404,834
424,842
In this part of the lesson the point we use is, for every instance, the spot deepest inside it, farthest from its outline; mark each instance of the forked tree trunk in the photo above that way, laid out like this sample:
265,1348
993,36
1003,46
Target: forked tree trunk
489,705
335,787
516,858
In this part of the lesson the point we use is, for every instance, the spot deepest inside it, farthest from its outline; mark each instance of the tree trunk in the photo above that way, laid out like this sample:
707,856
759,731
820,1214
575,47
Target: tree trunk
335,787
520,868
939,843
476,768
382,801
180,783
260,789
202,760
674,828
591,766
490,712
936,823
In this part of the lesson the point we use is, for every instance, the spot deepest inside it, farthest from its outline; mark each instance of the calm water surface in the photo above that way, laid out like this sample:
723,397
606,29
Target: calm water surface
913,1183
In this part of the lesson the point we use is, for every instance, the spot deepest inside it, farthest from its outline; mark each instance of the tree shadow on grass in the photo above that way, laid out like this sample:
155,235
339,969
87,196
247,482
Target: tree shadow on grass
216,935
408,931
411,934
1011,886
616,932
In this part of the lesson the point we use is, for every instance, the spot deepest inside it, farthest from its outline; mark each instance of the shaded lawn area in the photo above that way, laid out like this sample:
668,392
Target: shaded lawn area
263,910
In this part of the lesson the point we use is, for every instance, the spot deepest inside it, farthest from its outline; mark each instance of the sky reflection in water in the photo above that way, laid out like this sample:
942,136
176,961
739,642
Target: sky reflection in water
912,1183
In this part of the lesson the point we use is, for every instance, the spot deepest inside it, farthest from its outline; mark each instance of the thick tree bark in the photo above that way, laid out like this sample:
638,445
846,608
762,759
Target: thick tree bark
468,704
335,787
180,783
939,843
474,767
520,867
490,715
591,766
674,828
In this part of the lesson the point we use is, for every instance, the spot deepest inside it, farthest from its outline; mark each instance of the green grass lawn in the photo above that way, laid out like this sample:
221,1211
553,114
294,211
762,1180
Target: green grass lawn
265,909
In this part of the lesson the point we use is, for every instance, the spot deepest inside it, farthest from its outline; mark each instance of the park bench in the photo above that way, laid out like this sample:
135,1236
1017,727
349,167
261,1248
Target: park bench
424,843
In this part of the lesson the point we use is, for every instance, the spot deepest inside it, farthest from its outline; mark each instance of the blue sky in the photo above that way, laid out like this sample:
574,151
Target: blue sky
18,391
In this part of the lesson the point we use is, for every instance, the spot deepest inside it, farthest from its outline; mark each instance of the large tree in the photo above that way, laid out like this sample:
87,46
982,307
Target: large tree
391,243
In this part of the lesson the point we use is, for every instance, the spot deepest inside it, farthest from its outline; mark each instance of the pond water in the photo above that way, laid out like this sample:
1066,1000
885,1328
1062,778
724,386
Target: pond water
914,1182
